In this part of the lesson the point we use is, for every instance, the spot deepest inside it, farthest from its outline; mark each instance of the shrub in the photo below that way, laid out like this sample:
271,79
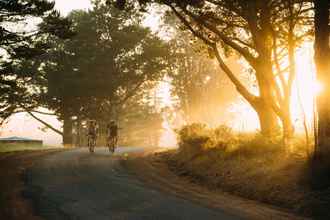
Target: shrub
193,130
224,137
257,146
193,139
223,133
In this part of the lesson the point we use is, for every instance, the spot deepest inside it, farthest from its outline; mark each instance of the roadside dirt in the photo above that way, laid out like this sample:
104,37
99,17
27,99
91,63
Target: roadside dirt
149,167
12,168
154,171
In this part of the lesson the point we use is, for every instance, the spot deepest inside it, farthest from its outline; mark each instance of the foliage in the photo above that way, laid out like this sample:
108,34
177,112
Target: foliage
196,80
193,139
111,59
264,33
19,45
196,138
141,125
251,166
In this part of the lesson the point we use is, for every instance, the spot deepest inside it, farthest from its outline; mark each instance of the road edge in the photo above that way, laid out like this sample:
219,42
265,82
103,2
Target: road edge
154,172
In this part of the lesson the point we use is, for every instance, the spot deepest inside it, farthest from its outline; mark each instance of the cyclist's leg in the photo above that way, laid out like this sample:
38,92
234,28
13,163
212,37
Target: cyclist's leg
115,141
112,144
94,142
109,142
89,143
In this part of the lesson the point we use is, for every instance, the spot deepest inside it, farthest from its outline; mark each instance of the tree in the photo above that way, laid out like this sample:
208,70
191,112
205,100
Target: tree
140,123
291,28
19,48
196,81
322,57
111,60
248,28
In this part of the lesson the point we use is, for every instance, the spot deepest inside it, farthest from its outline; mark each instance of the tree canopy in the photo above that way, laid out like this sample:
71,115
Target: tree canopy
109,60
25,29
263,33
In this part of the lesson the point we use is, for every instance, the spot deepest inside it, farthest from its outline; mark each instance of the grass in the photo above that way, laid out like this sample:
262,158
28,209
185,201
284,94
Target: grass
251,166
18,147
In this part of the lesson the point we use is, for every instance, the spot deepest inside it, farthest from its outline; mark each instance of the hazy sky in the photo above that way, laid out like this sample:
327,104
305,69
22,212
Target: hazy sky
65,6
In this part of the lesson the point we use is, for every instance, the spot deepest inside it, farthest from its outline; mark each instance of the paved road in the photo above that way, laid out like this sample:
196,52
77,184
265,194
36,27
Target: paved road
78,185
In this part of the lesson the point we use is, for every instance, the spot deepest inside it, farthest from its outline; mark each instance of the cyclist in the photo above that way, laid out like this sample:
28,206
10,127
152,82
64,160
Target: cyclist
92,135
112,132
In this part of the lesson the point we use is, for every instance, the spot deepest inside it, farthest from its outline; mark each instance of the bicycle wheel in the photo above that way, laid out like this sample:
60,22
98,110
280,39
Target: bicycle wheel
112,148
94,144
109,144
91,144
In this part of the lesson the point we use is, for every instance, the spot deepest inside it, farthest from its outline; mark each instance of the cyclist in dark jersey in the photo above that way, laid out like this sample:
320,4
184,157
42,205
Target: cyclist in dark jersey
92,129
92,135
112,132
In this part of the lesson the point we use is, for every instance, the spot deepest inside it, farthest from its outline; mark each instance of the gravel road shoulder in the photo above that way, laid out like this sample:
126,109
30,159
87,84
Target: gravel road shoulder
154,171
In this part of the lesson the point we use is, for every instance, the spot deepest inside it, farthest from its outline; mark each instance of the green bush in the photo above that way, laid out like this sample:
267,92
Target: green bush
193,130
193,139
196,137
224,137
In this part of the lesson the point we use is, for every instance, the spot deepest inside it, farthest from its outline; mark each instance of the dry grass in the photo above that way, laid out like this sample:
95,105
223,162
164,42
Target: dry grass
23,147
253,167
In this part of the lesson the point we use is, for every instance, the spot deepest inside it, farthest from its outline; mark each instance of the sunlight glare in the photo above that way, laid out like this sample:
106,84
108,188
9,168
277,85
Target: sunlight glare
317,88
164,99
168,136
305,87
164,93
66,6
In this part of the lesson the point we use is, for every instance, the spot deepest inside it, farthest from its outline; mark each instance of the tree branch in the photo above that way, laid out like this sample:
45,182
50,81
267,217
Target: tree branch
243,51
239,86
45,123
131,93
186,23
35,111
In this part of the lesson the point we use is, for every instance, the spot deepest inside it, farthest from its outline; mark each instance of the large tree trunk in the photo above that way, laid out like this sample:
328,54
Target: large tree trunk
288,129
67,131
267,119
322,61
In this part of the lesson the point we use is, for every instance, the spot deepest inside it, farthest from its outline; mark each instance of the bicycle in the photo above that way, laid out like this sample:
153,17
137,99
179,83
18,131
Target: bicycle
111,143
91,143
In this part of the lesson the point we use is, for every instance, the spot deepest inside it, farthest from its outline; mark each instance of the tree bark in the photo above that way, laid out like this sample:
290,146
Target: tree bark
267,119
322,61
288,129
